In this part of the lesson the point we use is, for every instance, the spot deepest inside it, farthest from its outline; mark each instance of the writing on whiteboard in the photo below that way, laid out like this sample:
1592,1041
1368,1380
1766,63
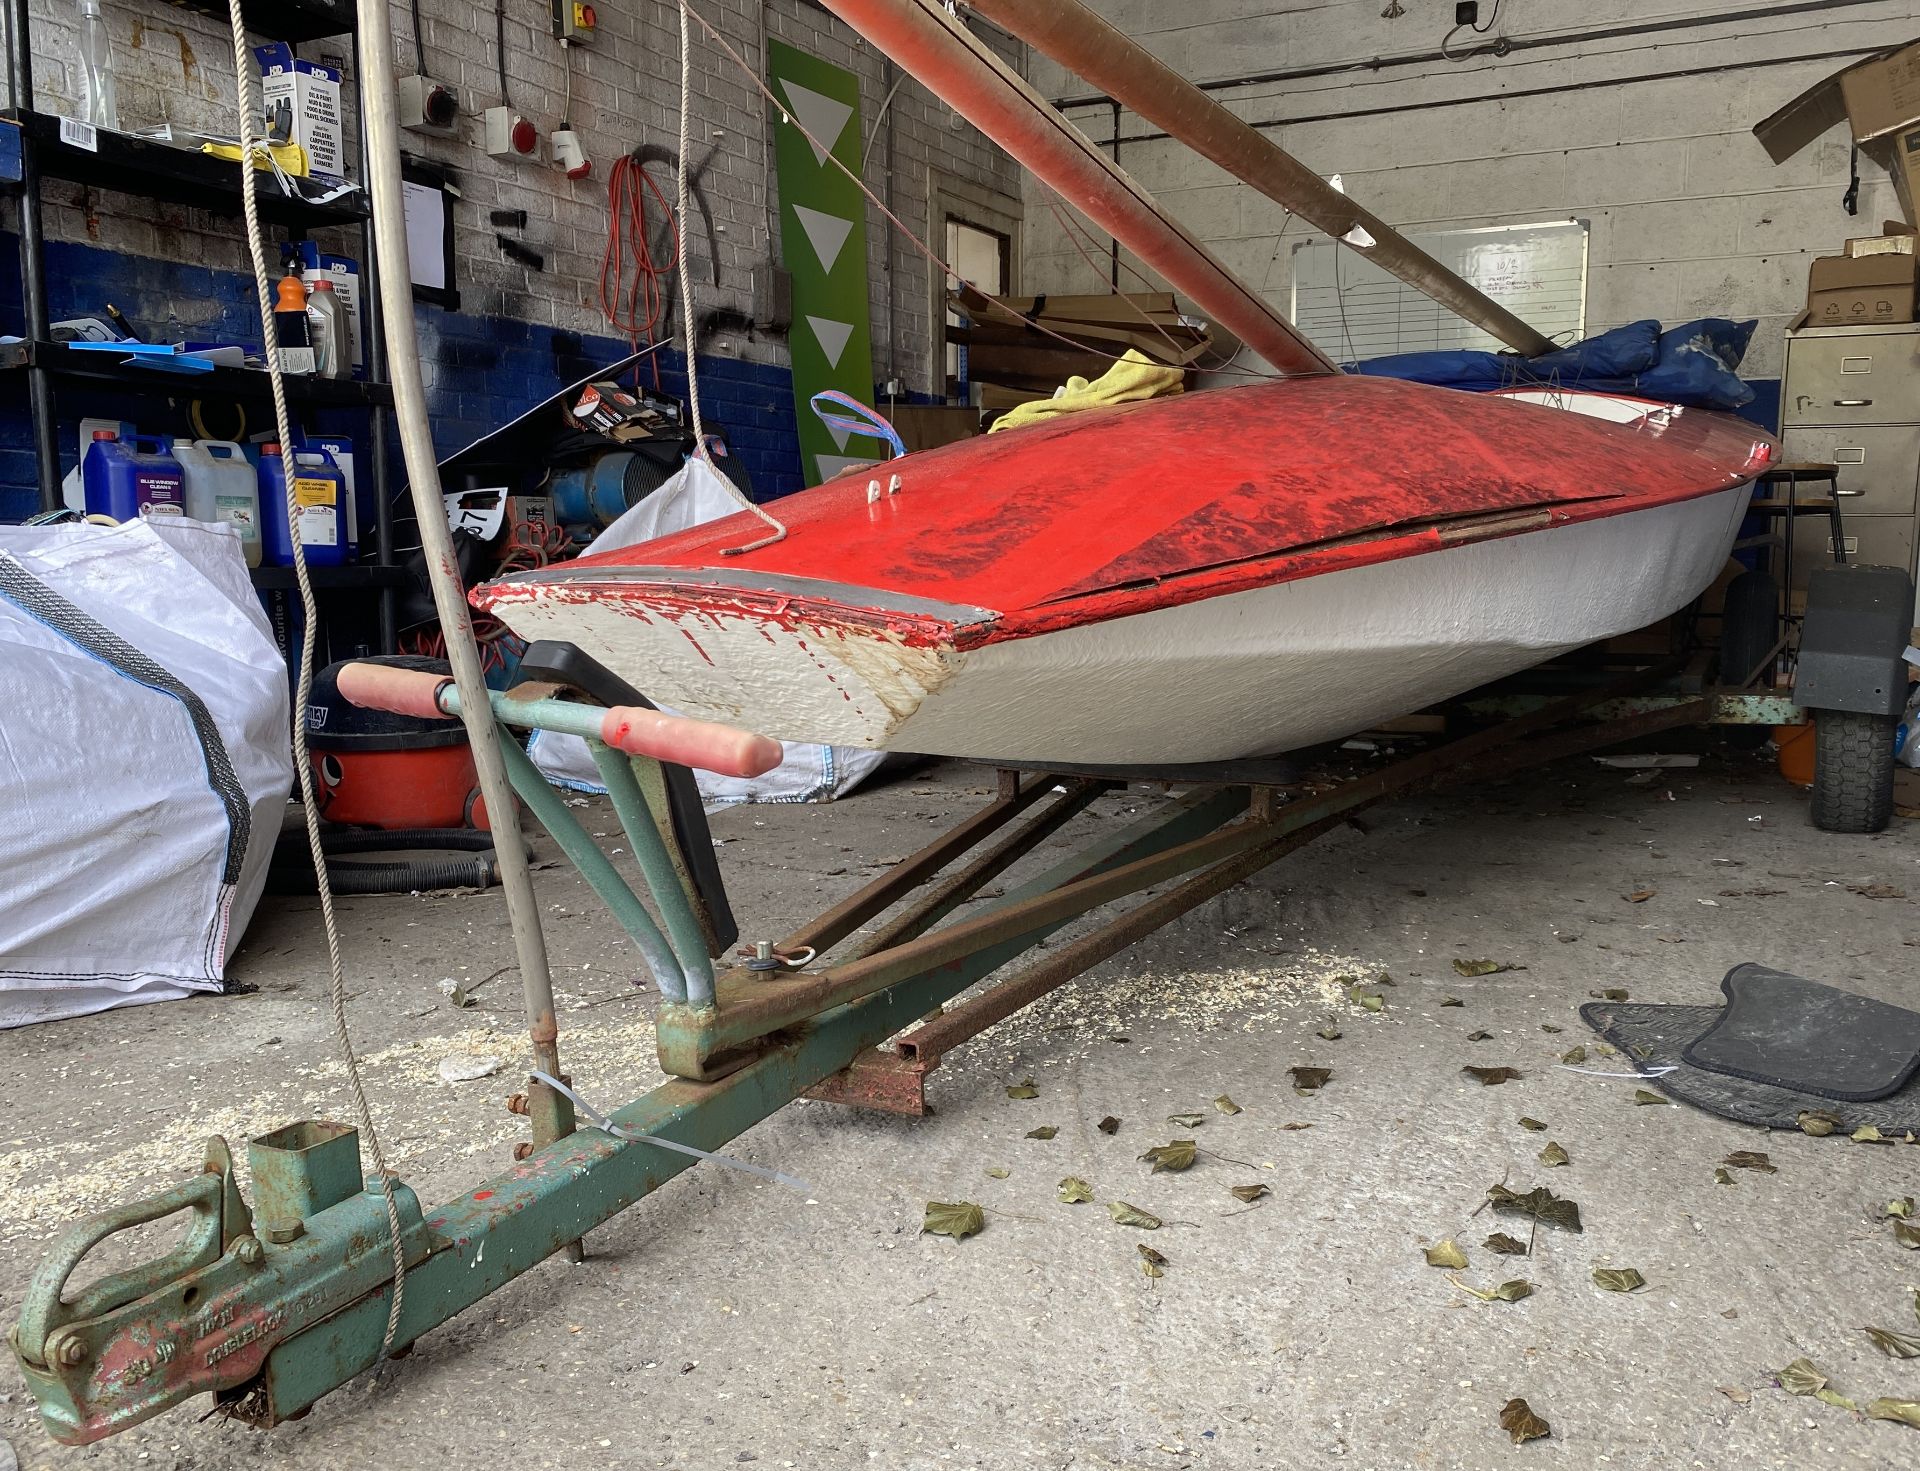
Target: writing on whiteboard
1354,310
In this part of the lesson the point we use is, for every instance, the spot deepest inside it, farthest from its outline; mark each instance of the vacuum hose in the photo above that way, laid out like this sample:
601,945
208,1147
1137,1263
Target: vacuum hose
291,871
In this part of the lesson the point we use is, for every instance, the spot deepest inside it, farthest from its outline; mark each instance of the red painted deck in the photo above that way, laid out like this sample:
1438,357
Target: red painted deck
1150,505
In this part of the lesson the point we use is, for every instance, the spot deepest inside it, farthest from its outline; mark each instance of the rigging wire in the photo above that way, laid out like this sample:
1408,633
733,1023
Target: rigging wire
932,257
303,768
700,450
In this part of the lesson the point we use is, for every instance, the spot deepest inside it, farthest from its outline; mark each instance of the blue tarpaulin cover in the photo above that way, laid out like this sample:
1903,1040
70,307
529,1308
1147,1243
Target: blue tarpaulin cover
1691,364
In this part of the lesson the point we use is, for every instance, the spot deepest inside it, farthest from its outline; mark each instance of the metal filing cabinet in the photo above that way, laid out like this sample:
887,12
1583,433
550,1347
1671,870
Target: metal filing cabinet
1851,397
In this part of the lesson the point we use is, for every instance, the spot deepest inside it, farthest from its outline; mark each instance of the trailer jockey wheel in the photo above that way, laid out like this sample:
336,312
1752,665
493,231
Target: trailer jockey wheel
1852,771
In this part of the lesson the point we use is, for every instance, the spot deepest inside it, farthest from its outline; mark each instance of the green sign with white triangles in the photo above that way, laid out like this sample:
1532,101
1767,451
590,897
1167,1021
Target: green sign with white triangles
823,241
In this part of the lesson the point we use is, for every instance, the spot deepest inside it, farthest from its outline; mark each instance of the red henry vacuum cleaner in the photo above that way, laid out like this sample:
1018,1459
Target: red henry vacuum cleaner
399,795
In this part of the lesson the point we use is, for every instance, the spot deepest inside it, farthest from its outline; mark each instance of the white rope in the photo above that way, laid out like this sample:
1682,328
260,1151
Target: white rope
686,292
303,770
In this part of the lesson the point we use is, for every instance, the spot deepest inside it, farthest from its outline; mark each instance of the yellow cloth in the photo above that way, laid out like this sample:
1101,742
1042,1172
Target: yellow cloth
1134,377
291,157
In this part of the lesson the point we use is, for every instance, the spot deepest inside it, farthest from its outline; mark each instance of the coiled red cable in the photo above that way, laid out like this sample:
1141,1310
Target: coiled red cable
633,285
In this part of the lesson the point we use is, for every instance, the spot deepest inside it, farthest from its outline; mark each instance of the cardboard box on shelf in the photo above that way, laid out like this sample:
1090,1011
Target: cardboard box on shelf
1847,291
302,102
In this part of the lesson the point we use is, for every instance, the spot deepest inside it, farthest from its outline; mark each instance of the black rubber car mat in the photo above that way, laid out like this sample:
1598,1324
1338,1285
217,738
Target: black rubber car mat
1654,1038
1797,1034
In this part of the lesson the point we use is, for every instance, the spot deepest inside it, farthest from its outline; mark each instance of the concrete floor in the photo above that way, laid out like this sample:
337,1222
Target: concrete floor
729,1321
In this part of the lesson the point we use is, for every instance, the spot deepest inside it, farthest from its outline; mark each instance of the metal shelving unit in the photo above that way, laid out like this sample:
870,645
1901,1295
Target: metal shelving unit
138,166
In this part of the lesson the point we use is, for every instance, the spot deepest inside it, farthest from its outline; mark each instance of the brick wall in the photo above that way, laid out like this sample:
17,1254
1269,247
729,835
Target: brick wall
501,352
1689,217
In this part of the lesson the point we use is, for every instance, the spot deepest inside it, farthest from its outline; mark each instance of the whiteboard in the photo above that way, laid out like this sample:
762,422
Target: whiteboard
1353,310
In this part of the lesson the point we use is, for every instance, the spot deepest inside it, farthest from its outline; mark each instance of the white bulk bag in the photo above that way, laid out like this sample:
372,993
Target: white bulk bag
807,772
144,762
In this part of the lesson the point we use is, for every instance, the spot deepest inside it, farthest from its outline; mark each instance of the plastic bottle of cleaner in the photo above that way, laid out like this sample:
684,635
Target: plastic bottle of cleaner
344,458
320,497
98,105
222,486
292,327
332,352
129,479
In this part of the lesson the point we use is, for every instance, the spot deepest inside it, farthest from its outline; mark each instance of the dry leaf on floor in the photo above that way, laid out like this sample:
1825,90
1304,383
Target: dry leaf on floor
1506,1292
1291,1127
1639,896
1504,1245
1108,1125
1519,1421
1553,1154
958,1219
1907,1234
1550,1028
1610,993
1329,1034
998,1172
1483,967
1307,1079
1894,1345
1902,1206
1867,1134
1878,891
1906,1411
1186,1120
1249,1193
1492,1077
1532,1124
1075,1191
1618,1279
1367,1001
1151,1261
1226,1105
1451,1001
1573,1055
1446,1254
1722,1175
1646,1097
1177,1156
1045,1131
1801,1377
1540,1203
1751,1159
1131,1215
1736,1394
1818,1122
1480,1036
1023,1090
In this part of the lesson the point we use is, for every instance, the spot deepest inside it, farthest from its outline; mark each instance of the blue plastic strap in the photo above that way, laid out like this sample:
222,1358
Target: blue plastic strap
854,417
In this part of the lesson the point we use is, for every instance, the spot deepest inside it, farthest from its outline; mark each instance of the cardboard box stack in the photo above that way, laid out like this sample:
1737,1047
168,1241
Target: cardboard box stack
1879,99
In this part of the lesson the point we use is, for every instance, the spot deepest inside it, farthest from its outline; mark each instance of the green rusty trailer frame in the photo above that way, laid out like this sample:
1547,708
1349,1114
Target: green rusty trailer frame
269,1317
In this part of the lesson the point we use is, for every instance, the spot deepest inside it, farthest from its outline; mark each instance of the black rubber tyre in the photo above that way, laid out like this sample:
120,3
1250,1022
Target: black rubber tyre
1852,771
1749,624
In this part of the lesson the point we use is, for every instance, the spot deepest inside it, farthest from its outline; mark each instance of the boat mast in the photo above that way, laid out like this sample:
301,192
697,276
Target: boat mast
1085,43
964,73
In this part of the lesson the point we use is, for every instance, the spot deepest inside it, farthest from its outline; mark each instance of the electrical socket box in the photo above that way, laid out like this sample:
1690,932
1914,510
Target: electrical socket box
772,297
427,106
1466,13
575,20
510,135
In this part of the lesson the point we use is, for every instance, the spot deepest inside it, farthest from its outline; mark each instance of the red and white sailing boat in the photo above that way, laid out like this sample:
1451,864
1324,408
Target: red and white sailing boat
1230,573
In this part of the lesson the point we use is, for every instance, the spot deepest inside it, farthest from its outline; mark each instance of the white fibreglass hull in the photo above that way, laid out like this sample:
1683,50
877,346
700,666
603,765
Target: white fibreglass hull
1243,674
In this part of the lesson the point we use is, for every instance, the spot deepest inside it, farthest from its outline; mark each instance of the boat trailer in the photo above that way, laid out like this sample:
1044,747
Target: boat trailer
270,1306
